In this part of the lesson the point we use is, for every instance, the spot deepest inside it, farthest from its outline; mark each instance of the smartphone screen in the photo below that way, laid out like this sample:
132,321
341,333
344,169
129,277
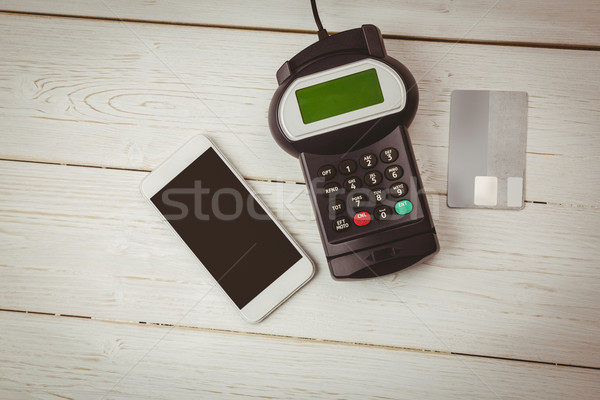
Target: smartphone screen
223,225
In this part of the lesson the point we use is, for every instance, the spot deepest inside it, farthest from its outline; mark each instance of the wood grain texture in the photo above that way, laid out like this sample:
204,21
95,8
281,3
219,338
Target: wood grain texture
552,22
56,357
127,95
81,241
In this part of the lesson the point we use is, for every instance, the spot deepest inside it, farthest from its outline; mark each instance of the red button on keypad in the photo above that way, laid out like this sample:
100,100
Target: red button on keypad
362,218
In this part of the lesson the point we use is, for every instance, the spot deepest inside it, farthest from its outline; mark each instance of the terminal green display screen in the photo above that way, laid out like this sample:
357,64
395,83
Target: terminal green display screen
339,96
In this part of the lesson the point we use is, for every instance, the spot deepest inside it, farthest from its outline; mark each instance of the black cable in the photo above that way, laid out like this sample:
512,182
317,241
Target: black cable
321,31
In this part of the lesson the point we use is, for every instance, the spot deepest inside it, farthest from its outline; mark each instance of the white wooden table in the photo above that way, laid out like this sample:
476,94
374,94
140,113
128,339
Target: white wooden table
99,301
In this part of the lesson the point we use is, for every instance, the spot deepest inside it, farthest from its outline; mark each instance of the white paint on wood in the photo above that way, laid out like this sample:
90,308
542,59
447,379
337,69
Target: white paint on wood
81,241
551,22
46,357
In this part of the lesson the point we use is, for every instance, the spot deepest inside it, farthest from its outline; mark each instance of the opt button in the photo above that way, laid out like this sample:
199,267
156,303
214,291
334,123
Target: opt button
362,218
403,207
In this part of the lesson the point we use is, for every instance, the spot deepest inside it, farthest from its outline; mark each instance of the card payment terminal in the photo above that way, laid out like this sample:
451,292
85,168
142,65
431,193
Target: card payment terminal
343,106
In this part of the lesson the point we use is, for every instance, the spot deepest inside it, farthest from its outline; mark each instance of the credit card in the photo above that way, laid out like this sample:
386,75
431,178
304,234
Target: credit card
488,140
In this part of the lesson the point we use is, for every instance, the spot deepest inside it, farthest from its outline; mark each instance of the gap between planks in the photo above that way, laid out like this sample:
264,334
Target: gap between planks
301,339
256,179
545,45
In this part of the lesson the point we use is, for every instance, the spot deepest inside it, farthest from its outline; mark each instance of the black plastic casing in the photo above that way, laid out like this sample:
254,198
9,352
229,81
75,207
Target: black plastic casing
387,250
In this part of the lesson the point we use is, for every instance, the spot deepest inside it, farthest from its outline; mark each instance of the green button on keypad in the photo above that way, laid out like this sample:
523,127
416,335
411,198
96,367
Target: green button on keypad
403,207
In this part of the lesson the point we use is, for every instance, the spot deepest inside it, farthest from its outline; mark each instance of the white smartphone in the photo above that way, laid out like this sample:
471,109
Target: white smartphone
227,228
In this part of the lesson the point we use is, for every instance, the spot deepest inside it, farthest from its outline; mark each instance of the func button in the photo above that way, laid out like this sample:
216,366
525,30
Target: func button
403,207
341,224
327,172
338,207
331,189
362,218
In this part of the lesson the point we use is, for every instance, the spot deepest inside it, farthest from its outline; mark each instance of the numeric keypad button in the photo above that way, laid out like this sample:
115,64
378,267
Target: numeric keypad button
368,160
359,200
399,189
341,224
379,195
388,155
347,167
331,189
327,172
394,172
373,178
382,213
352,183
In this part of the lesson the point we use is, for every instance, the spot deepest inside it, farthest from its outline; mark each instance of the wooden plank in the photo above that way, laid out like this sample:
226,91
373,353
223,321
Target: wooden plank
51,357
90,92
81,241
553,23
